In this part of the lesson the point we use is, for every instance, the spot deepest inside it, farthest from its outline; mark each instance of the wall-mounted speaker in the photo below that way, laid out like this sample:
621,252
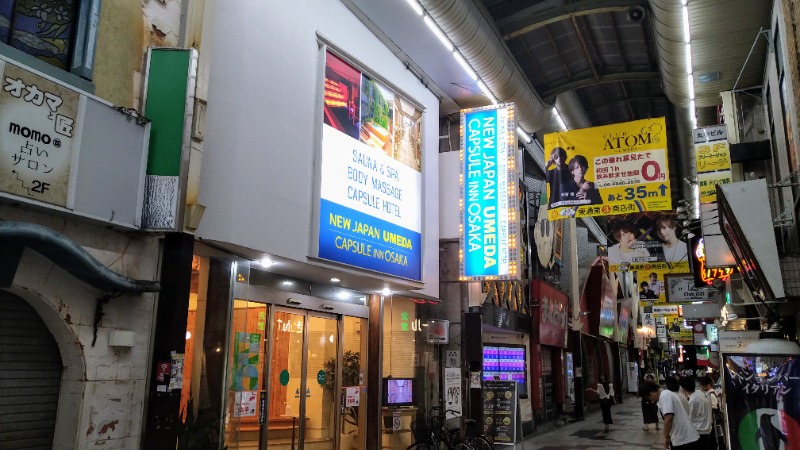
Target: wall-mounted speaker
635,13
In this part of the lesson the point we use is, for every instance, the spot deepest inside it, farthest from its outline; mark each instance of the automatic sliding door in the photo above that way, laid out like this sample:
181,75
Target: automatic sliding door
284,419
321,370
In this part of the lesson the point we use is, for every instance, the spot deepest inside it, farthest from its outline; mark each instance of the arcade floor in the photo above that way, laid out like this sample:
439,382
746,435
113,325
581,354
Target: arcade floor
626,433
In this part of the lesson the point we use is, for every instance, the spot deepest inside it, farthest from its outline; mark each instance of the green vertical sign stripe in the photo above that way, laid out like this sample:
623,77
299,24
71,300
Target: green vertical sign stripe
167,81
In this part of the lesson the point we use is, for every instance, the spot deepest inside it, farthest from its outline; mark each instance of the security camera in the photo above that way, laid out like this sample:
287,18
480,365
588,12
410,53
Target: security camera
635,14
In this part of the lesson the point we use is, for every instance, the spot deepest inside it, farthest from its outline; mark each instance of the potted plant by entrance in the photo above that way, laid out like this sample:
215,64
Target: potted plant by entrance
351,368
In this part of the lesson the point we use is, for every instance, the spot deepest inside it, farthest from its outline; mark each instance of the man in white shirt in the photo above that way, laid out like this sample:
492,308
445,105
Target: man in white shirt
699,411
679,434
707,388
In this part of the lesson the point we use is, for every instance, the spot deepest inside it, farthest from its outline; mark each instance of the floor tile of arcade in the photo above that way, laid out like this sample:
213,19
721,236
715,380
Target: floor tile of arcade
625,434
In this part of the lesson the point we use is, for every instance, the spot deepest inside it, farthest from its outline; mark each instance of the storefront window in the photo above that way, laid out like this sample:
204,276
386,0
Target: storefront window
410,369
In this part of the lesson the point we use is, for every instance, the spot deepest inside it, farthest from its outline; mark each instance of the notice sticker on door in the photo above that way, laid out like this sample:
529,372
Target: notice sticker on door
351,396
396,416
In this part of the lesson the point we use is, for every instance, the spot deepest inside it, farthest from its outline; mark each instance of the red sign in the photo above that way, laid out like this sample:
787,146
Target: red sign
553,314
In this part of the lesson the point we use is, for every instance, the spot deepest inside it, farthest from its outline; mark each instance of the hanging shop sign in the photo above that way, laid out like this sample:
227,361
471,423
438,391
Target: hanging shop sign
707,276
736,341
661,333
647,242
708,184
711,156
371,175
681,288
707,134
608,170
624,319
762,399
743,207
38,120
438,331
489,248
553,314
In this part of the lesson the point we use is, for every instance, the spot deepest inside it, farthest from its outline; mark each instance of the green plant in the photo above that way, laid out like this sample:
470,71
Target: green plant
200,431
351,368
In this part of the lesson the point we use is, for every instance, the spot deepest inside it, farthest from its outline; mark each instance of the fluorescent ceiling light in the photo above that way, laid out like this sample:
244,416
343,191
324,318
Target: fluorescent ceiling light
335,280
486,92
689,59
692,111
690,85
465,66
435,29
686,36
523,135
415,5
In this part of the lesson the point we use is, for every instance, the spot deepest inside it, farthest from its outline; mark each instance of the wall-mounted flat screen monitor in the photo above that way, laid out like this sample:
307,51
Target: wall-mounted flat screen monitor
398,391
506,363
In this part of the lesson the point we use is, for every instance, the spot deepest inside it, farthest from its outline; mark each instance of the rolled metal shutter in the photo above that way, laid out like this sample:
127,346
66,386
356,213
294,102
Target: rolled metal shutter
30,377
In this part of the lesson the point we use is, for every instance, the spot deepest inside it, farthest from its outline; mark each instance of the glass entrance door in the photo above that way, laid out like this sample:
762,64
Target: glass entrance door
286,387
306,366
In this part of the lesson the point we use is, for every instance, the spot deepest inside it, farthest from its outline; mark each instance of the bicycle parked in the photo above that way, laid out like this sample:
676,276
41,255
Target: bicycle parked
439,437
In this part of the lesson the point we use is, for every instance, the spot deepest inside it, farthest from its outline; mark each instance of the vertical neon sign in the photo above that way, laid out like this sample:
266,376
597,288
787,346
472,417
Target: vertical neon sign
488,232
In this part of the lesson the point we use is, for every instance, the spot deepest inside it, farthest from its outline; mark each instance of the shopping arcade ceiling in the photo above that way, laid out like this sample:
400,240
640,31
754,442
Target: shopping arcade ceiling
598,61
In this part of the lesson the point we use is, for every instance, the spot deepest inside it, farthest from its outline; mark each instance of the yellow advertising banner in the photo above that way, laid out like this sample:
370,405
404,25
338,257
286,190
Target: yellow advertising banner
708,184
608,170
711,156
677,328
652,287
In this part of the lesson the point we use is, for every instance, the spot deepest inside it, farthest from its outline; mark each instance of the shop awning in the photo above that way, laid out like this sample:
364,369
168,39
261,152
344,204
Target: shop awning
745,219
65,253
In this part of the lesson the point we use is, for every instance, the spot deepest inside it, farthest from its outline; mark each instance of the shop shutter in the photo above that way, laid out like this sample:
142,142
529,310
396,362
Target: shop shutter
30,377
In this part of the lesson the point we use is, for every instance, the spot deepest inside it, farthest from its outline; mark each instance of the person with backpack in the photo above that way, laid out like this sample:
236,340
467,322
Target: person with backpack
707,388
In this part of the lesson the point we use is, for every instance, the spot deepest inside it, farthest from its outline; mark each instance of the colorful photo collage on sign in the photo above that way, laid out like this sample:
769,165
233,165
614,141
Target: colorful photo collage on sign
364,109
371,174
613,169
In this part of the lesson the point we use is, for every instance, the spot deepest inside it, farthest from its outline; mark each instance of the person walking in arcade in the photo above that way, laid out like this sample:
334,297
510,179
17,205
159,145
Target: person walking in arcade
605,391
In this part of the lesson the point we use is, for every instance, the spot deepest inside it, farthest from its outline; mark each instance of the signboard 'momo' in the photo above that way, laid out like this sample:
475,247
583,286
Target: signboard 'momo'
489,249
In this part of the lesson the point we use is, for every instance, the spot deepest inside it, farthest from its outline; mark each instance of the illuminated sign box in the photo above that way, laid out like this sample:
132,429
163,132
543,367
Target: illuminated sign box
489,249
370,210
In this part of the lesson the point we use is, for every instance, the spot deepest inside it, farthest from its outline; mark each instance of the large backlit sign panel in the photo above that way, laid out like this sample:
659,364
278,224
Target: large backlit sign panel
608,170
371,175
488,232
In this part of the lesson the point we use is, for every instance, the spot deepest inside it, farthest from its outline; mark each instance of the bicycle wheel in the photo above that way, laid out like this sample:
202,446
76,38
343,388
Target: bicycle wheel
461,446
421,446
481,443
